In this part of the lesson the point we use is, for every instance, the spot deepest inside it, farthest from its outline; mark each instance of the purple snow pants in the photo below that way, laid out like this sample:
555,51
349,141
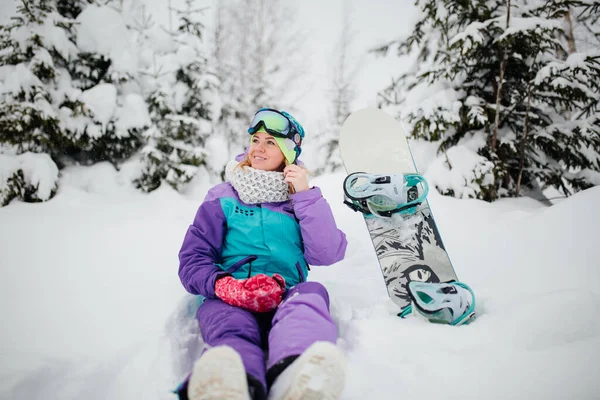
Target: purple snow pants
301,319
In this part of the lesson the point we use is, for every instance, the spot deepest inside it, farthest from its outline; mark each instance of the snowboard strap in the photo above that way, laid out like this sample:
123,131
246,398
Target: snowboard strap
365,210
355,207
384,195
450,302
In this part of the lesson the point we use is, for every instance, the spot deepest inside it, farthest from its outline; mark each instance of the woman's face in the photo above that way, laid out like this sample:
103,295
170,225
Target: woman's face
264,153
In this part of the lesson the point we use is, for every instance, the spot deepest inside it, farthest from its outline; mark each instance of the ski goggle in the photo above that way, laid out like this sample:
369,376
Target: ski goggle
276,123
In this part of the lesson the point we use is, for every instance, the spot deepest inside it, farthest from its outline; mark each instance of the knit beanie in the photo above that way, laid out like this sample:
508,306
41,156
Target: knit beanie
287,146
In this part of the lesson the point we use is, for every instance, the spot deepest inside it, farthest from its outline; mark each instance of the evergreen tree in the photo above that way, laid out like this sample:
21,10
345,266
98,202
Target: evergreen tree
582,26
60,97
258,62
28,120
30,69
488,80
179,88
105,114
342,94
233,115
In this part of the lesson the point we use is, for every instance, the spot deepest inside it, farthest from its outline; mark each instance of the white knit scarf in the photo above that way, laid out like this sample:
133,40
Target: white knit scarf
256,186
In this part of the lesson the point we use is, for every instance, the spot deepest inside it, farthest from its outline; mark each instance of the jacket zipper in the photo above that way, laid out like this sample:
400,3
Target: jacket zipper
240,263
300,272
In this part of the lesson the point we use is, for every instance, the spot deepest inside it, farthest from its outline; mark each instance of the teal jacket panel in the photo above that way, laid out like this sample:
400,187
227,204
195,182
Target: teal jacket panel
260,240
230,236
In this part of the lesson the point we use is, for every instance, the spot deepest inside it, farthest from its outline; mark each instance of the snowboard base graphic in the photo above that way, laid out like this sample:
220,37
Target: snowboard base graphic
408,246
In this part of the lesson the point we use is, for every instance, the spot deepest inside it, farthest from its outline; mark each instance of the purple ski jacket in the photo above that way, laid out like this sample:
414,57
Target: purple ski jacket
231,237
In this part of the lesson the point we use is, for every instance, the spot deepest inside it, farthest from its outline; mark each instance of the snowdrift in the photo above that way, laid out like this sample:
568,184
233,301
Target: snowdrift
92,306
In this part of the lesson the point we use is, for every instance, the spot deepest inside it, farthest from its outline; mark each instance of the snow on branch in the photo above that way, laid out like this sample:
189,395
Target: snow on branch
469,177
527,25
28,176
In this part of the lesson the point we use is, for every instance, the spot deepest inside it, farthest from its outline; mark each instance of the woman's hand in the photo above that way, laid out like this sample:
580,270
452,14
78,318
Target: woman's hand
260,293
296,176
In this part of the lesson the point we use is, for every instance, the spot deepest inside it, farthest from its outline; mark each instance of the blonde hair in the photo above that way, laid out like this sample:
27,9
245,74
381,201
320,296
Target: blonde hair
246,163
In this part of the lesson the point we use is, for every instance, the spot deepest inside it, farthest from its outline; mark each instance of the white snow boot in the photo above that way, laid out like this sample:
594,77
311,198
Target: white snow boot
318,374
219,375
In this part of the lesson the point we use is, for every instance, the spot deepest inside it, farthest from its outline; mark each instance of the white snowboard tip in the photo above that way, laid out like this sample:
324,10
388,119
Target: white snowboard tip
373,141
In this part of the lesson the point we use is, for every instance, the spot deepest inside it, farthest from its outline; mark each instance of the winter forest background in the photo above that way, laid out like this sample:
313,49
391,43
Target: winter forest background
116,117
505,91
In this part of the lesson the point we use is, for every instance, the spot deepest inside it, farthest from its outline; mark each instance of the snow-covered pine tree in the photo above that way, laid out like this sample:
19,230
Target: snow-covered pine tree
569,87
179,94
232,115
106,113
29,72
490,90
63,93
259,62
342,92
582,26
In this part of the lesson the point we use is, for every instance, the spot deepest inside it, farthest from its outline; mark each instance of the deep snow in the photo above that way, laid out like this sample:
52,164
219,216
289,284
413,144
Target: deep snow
92,306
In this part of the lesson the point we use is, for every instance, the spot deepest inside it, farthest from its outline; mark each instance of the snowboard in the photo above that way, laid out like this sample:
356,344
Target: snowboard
409,246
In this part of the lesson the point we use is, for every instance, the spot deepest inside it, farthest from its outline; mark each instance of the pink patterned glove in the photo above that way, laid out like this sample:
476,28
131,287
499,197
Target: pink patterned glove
260,293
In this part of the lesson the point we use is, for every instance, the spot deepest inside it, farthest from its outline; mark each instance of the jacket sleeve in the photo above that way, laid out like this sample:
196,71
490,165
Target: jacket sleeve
201,249
324,243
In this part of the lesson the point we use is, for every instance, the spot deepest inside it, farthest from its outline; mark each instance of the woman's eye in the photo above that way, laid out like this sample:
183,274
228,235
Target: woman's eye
271,142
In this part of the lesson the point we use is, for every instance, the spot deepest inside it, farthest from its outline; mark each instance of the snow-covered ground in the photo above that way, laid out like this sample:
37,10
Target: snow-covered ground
92,307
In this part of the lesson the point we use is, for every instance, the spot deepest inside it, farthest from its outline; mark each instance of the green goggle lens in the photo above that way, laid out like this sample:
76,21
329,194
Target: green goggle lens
273,122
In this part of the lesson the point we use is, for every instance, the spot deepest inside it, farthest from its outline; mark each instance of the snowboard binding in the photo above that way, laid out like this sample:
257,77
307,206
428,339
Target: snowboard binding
450,303
384,195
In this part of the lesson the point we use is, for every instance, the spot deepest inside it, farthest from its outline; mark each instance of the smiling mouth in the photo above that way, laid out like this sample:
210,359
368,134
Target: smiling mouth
260,158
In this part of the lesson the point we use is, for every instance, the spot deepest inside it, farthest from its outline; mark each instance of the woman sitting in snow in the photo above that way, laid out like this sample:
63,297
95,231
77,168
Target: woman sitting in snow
267,330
